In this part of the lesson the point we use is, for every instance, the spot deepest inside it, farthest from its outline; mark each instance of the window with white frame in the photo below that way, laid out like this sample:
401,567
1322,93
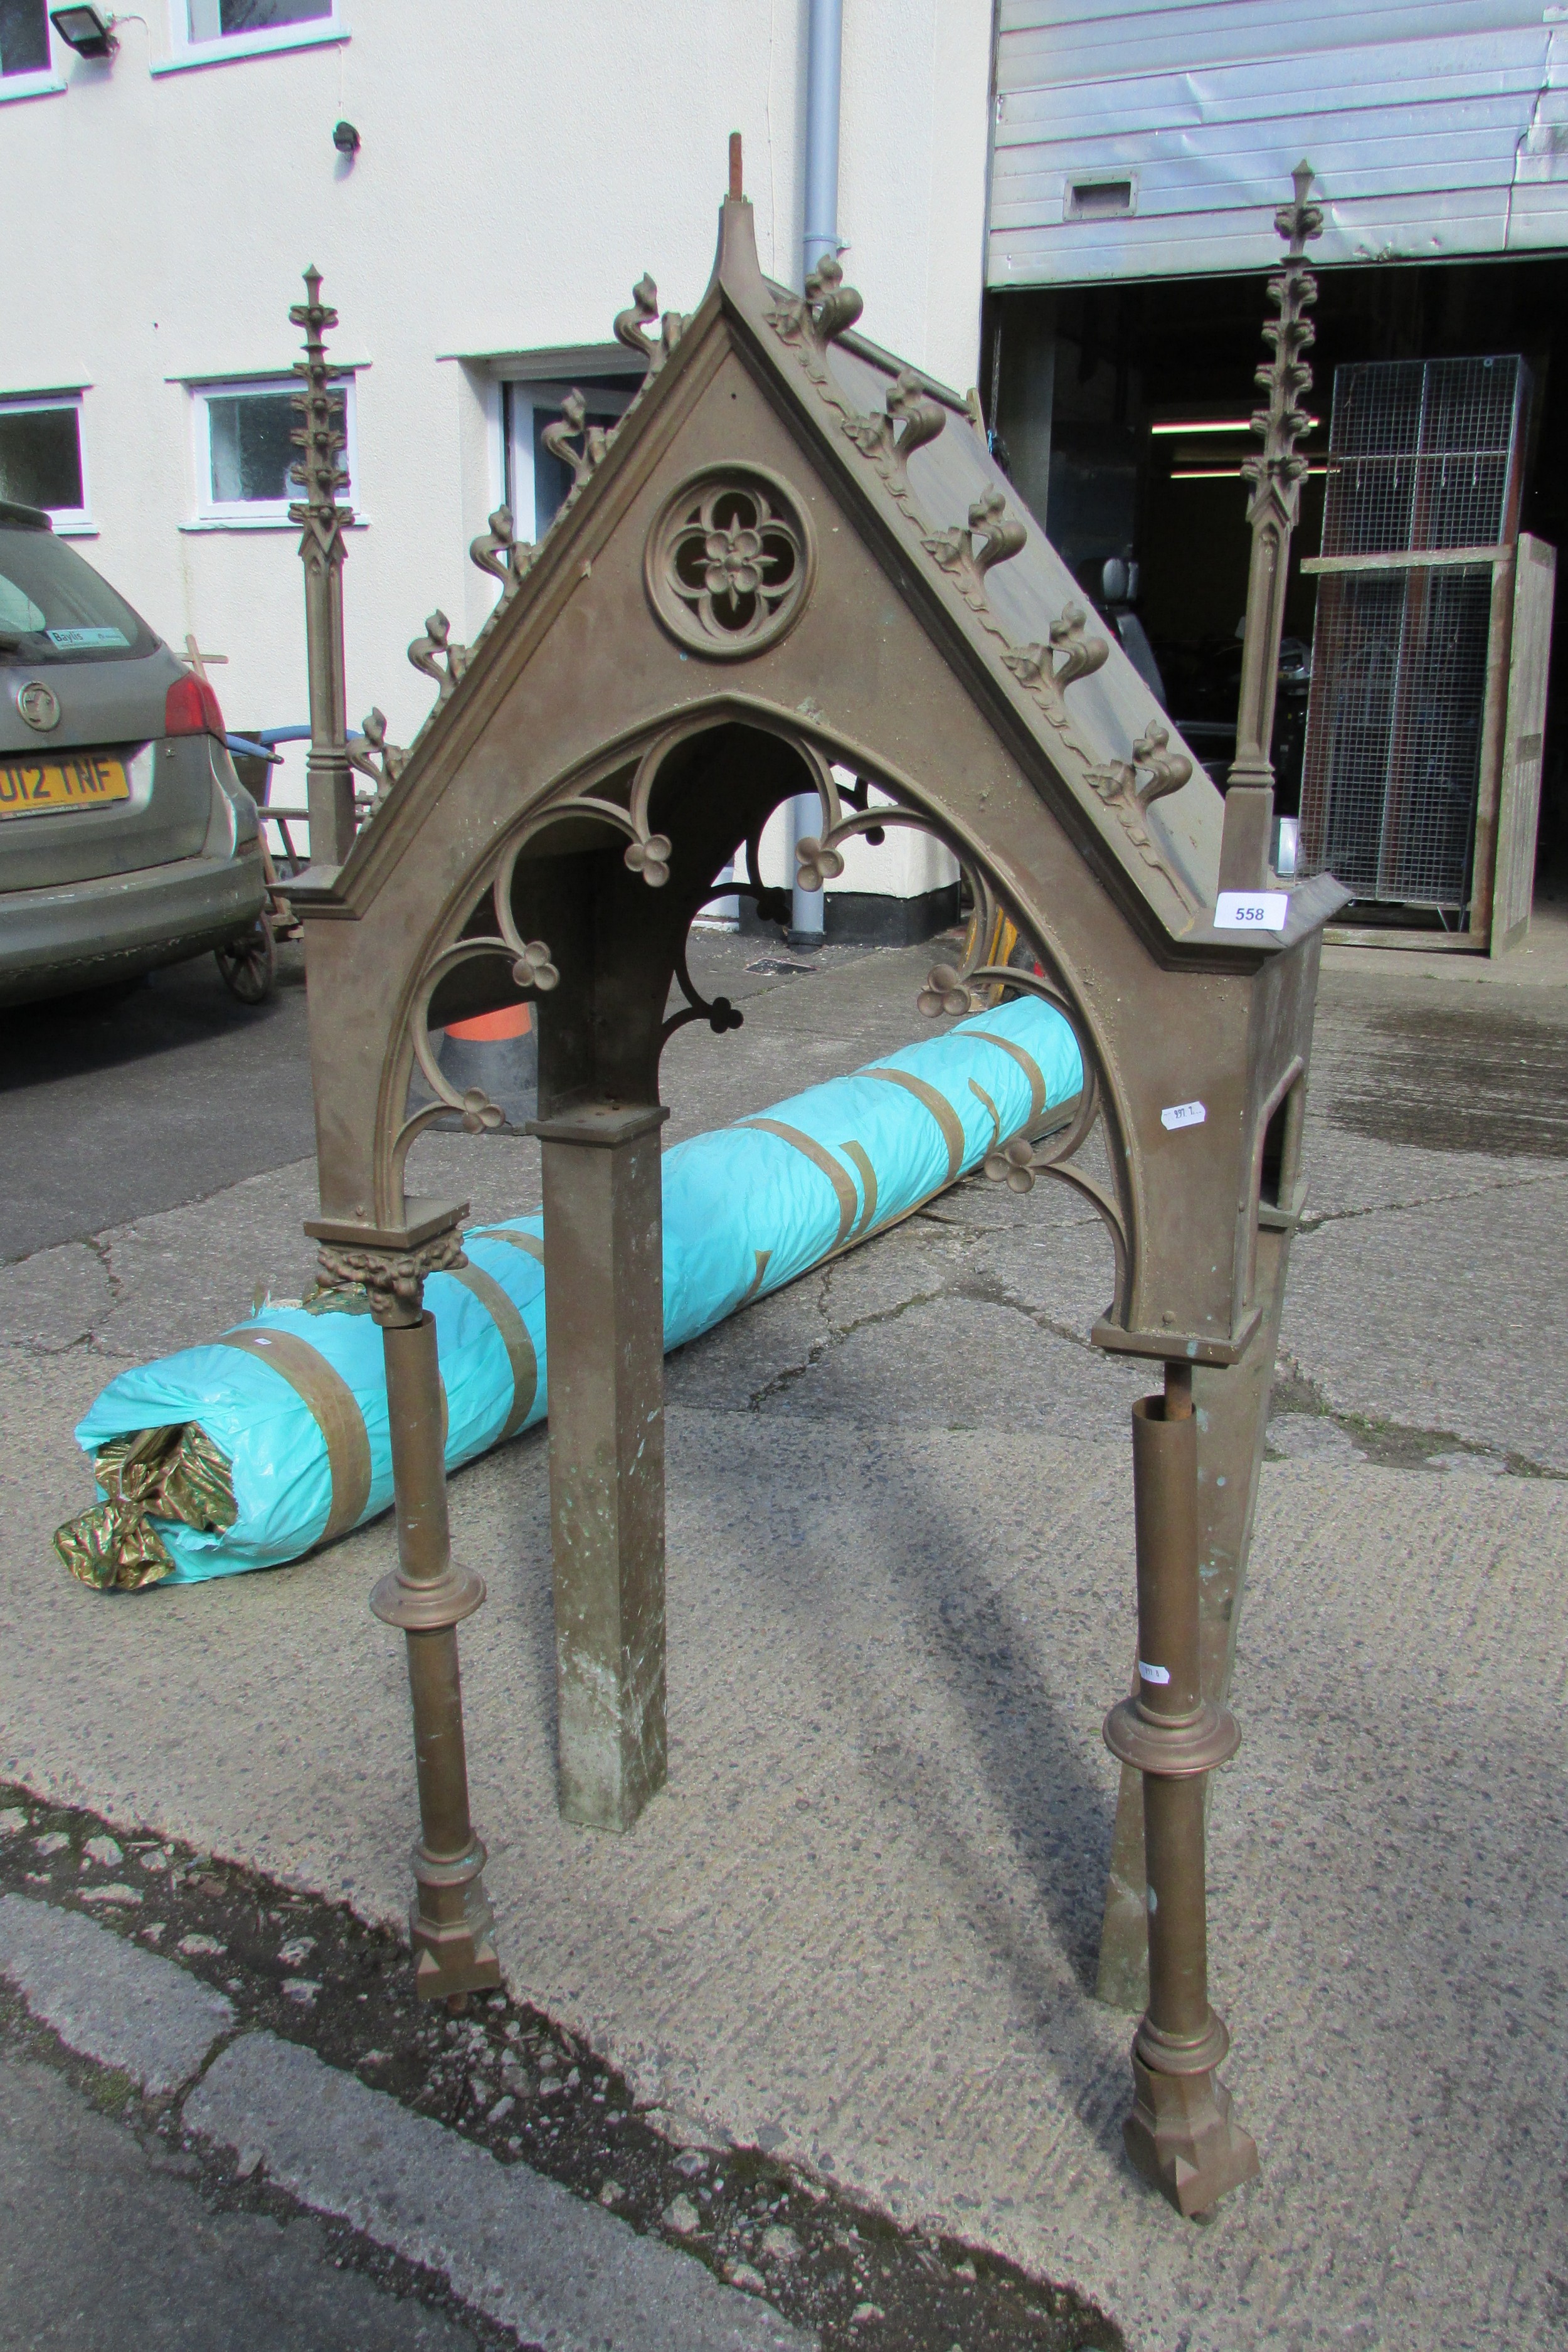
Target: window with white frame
245,451
205,31
26,60
40,456
536,480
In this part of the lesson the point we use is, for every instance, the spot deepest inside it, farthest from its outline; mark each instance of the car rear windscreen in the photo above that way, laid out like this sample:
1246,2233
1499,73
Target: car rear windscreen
54,607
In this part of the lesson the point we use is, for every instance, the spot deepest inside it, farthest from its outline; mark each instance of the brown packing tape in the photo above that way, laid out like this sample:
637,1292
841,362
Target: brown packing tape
755,1282
1026,1063
820,1157
529,1241
514,1338
333,1407
940,1110
981,1096
867,1175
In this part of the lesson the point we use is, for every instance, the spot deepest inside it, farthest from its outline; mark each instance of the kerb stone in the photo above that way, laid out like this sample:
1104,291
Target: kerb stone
564,2275
108,1999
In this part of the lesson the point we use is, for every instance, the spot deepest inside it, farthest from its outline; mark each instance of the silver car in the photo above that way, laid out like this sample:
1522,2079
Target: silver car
126,839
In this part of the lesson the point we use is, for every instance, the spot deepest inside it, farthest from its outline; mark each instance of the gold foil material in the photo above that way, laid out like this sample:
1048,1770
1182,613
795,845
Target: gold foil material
114,1548
175,1473
354,1299
152,1473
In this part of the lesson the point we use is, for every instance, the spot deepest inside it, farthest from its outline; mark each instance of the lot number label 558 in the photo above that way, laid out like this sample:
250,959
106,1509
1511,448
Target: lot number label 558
1251,910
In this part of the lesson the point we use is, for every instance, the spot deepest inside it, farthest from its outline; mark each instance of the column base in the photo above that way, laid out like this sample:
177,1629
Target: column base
1180,2136
452,1927
605,1777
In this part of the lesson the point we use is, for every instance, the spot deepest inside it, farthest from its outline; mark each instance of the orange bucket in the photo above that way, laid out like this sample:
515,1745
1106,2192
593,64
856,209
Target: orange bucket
491,1028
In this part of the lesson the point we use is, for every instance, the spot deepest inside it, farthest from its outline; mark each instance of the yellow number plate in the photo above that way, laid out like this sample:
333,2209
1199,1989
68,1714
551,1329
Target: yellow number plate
27,790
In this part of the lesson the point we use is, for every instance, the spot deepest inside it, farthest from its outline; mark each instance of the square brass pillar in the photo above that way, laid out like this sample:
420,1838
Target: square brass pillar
604,1297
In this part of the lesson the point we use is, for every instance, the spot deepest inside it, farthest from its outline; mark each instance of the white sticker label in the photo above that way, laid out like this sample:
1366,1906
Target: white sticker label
1154,1674
72,640
1183,1115
1251,910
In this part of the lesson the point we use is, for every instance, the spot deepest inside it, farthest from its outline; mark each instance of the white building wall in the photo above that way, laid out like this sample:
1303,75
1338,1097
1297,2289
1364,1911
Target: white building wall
521,166
905,864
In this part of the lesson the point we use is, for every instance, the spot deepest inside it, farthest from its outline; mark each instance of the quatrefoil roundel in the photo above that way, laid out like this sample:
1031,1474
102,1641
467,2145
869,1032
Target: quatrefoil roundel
729,561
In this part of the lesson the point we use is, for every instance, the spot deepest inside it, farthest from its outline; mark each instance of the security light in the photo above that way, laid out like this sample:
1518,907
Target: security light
85,27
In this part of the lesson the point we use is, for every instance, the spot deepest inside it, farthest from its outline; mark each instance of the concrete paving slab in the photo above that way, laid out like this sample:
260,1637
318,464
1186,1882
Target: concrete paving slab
108,1999
56,1299
968,1363
1348,1174
1421,1093
565,2274
1476,1287
1307,1436
857,1928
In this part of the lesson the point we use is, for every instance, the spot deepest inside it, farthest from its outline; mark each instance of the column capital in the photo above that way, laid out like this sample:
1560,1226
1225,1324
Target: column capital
392,1263
602,1123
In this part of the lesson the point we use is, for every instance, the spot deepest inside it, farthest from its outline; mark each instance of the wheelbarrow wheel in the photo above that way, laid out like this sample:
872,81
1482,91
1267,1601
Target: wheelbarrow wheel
250,964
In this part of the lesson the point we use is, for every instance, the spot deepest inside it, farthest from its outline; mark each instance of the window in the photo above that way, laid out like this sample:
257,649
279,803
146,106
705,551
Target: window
245,448
536,480
206,32
40,456
26,61
224,20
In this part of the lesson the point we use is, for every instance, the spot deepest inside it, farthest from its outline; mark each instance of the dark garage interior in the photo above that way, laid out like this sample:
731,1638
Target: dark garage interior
1120,413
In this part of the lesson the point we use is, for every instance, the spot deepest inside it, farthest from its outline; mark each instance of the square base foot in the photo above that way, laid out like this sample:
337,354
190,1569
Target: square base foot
458,1957
1181,2137
604,1781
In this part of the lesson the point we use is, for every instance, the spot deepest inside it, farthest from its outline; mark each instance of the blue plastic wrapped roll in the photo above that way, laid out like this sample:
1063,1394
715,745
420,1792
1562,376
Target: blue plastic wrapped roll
294,1401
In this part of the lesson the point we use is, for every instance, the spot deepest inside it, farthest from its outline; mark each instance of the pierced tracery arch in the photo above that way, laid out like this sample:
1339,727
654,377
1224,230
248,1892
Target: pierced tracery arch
952,989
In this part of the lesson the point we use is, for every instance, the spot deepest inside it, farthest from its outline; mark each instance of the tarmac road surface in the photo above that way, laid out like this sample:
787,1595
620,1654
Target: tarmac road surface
117,1104
106,2244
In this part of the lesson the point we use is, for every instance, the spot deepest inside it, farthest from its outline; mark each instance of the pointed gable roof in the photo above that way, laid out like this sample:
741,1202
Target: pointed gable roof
909,458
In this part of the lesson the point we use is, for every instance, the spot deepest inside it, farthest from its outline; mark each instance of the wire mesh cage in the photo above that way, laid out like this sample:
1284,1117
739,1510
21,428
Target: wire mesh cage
1421,455
1399,664
1424,462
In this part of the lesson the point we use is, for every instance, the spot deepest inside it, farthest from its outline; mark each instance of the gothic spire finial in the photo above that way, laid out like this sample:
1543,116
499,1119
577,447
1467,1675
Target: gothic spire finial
1275,474
320,474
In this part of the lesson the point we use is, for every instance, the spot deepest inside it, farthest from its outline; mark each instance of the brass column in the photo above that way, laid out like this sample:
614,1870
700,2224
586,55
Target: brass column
428,1594
1180,2132
603,1289
320,436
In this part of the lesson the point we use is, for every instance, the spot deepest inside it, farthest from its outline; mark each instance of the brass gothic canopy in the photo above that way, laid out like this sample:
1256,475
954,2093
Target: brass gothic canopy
794,561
